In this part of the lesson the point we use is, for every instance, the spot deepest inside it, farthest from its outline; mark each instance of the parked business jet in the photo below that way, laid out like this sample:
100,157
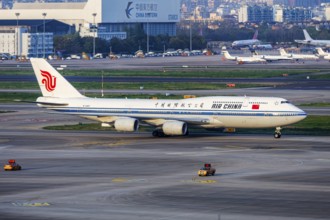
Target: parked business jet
169,117
310,41
323,54
271,58
242,60
247,43
298,56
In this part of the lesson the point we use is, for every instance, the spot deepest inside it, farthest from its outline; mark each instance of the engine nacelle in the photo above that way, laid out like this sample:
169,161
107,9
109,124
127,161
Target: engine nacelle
126,124
175,128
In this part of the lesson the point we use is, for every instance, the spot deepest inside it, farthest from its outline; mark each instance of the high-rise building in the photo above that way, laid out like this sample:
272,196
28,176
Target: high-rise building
278,13
260,13
297,14
17,41
306,3
243,14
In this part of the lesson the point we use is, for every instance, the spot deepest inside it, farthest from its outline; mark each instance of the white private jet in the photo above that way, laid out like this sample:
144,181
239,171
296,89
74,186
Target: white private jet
323,54
169,117
310,41
271,58
298,56
242,60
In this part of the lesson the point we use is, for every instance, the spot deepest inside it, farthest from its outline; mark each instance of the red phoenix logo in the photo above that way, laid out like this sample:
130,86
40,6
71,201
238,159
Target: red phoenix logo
49,81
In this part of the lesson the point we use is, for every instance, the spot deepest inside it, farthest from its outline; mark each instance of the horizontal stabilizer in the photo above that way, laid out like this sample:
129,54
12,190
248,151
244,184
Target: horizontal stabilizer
43,103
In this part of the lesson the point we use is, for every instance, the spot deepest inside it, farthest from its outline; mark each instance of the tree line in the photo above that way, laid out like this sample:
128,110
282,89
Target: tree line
201,34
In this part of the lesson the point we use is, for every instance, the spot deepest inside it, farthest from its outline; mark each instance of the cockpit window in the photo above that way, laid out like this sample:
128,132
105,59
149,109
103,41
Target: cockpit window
285,102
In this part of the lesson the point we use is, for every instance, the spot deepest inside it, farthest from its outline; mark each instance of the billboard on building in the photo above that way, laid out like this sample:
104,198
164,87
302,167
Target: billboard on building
127,11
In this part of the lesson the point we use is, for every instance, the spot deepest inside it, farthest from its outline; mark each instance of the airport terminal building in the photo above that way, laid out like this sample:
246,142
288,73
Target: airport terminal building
100,18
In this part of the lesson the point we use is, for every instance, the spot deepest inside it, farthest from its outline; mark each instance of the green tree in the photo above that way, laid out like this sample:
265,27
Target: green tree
176,43
101,45
68,44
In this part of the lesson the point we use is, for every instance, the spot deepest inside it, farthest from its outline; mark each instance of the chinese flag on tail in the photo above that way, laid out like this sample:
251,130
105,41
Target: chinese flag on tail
255,107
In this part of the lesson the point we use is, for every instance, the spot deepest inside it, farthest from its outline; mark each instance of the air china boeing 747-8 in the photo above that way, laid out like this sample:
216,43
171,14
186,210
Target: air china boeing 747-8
169,117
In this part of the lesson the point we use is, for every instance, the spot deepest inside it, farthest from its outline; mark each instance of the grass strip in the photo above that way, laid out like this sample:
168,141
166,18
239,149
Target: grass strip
317,104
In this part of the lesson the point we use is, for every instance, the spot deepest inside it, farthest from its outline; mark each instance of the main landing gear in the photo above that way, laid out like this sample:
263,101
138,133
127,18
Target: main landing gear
277,133
158,133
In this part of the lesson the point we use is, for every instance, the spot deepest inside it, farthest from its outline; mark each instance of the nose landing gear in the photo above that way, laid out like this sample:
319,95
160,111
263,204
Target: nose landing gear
277,133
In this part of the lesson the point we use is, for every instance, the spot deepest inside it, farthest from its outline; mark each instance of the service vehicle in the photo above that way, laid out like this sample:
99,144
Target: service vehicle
206,170
12,165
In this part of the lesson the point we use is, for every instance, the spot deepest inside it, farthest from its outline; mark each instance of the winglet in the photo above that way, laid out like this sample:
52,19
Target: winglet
51,82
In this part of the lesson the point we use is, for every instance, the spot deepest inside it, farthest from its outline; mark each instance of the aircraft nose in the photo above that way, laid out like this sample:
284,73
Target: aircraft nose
302,114
299,114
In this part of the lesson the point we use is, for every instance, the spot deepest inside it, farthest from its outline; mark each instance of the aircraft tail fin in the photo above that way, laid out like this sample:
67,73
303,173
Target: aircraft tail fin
255,36
51,82
307,37
227,55
283,52
320,51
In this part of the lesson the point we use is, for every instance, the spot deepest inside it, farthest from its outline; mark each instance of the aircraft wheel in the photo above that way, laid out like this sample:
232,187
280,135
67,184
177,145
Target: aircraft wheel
277,135
158,133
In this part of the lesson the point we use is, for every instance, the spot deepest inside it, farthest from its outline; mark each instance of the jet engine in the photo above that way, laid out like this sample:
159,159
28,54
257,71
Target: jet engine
175,128
126,124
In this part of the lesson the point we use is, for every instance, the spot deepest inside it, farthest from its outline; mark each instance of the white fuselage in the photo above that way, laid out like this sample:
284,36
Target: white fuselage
206,112
319,43
310,41
303,57
298,56
240,60
245,43
273,57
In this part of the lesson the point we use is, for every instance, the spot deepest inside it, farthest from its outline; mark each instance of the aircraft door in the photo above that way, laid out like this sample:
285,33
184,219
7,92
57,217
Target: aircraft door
246,101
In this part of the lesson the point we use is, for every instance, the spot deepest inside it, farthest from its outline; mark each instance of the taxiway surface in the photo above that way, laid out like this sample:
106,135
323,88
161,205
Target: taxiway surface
170,62
107,175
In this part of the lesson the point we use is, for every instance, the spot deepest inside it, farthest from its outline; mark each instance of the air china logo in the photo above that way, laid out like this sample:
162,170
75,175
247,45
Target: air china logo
48,80
129,9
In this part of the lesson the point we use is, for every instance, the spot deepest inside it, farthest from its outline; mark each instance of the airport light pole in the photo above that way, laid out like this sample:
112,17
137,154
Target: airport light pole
94,28
36,41
43,36
16,48
190,34
147,37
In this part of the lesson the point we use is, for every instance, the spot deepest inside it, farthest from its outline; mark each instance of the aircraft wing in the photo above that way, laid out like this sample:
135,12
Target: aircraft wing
195,121
192,121
160,120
